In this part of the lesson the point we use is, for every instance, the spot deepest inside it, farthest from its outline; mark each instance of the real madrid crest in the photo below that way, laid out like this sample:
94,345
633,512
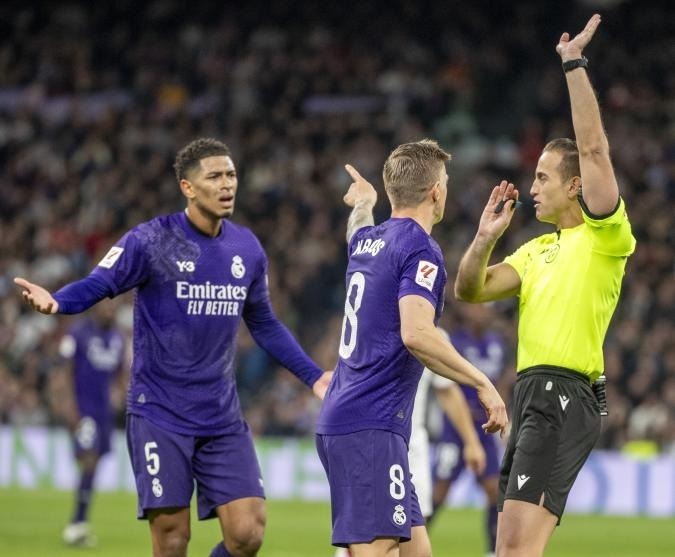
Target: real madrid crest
399,516
238,269
157,488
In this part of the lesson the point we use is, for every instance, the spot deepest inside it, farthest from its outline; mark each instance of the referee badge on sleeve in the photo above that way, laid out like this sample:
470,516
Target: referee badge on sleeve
426,274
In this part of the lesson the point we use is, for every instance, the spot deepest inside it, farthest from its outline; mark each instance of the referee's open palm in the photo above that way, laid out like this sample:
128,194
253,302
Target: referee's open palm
572,49
498,211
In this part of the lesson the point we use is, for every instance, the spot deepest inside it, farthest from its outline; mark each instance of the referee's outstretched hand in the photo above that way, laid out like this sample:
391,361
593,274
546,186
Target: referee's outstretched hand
498,212
572,49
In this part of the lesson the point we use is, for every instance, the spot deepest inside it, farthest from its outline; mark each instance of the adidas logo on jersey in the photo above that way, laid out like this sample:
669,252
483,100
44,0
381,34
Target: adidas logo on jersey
369,246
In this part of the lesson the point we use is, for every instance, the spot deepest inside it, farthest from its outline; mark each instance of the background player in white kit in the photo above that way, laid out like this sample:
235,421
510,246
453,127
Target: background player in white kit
452,401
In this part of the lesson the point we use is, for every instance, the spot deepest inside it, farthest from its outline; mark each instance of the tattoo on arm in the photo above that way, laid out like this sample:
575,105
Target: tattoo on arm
361,215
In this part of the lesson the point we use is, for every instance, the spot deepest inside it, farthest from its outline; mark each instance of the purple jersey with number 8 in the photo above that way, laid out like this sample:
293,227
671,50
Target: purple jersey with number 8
376,376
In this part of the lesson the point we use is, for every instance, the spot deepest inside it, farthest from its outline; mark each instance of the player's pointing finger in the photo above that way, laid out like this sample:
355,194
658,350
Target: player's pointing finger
353,172
22,282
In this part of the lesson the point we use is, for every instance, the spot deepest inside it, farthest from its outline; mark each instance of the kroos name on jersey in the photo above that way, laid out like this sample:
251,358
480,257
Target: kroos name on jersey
369,246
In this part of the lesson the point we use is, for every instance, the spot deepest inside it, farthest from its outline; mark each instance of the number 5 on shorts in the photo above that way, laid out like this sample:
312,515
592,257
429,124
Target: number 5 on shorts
152,458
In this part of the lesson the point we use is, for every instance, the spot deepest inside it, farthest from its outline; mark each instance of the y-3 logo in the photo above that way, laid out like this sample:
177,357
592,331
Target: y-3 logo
185,266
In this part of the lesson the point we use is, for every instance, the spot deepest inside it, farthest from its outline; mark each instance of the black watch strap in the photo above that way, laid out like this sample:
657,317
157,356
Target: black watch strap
573,64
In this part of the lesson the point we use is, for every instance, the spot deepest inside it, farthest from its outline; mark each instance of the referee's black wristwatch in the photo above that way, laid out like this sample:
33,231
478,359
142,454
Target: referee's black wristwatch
574,64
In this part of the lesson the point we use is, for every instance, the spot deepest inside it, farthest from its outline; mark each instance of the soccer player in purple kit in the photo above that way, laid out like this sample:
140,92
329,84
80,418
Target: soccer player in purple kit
395,284
196,275
96,348
483,347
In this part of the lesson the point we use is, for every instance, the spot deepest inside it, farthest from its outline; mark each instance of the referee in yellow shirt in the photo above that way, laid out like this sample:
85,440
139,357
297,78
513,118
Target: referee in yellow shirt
568,283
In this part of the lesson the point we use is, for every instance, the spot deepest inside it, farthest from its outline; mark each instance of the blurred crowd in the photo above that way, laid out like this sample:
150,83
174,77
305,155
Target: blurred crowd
95,100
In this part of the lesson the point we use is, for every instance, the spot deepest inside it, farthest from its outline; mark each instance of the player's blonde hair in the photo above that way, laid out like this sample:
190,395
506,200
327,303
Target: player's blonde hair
411,170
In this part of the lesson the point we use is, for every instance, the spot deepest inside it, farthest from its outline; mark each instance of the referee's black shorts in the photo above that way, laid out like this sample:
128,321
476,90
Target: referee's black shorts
555,424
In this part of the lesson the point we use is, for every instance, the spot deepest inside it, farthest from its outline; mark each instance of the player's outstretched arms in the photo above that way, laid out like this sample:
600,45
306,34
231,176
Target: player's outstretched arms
362,197
275,338
429,346
37,297
600,190
476,282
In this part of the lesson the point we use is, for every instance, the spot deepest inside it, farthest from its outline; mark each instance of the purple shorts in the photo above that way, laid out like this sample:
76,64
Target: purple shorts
167,465
370,488
92,435
448,461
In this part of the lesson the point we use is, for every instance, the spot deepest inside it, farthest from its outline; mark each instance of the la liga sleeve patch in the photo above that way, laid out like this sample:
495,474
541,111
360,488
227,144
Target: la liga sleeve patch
426,274
111,257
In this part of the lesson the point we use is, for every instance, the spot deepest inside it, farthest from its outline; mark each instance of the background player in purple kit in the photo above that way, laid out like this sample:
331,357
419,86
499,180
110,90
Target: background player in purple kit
96,348
484,348
395,284
196,275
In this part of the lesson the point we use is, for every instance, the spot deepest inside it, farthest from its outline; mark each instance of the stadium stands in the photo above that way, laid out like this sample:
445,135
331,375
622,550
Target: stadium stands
95,100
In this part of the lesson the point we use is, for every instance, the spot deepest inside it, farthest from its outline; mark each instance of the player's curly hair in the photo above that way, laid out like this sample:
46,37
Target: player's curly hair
569,164
190,155
411,170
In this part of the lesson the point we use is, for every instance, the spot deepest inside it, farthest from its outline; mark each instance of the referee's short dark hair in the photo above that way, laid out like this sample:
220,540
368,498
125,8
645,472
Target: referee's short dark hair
569,164
190,155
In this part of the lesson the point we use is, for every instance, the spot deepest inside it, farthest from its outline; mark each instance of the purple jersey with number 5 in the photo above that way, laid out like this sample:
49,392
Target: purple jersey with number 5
376,376
191,293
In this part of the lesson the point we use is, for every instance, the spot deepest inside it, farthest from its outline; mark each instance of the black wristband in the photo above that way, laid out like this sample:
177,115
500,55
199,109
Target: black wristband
573,64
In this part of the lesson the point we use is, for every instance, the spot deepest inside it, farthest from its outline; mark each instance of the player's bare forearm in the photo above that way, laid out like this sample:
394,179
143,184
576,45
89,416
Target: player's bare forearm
429,346
472,273
424,341
361,215
361,196
440,356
